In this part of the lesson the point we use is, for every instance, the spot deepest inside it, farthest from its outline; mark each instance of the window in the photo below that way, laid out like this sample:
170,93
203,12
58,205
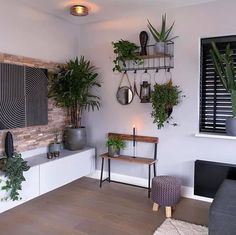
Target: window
215,101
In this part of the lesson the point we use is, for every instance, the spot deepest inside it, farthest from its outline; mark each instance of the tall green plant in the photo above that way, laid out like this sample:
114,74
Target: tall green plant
224,67
72,88
164,34
14,168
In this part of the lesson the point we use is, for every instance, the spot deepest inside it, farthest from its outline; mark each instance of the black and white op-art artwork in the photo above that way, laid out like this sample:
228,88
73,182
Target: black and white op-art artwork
23,96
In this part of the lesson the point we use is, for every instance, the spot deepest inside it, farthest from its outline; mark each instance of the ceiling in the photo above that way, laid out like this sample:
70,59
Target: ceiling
101,9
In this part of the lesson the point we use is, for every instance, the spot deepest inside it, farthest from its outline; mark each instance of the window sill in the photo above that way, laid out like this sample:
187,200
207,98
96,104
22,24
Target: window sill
215,136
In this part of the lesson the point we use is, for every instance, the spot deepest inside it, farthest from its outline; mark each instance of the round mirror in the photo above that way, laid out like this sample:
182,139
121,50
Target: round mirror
124,95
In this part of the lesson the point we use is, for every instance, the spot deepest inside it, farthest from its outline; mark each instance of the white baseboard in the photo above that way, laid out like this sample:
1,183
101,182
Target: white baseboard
185,191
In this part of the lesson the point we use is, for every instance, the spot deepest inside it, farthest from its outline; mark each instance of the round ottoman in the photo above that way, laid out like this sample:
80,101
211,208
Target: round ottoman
165,192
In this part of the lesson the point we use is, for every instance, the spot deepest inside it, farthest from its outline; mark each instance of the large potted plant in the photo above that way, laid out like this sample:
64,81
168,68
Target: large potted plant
72,88
224,67
162,36
164,97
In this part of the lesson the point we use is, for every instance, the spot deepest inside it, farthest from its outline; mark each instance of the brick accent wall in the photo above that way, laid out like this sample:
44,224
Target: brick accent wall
38,136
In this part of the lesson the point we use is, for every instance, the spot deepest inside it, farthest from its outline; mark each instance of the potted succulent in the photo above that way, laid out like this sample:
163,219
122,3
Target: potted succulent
124,51
72,88
224,67
164,97
55,147
162,37
115,144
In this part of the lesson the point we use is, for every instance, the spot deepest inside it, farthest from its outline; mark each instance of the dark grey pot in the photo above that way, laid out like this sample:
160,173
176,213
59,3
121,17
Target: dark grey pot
113,152
231,126
75,138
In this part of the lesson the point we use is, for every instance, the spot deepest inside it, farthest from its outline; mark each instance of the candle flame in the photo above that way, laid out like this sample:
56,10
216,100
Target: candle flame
134,126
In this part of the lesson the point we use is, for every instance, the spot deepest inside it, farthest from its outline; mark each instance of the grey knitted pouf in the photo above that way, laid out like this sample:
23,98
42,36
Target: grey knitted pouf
166,192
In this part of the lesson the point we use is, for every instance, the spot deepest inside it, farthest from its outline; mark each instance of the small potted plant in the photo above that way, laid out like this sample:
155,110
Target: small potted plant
124,51
55,147
162,37
115,144
164,97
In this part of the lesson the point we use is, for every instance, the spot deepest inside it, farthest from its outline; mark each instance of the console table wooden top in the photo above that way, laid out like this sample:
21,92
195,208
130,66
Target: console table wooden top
140,160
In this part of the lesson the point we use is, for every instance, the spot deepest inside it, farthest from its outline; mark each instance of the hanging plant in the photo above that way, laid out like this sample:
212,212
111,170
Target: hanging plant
164,98
14,167
124,51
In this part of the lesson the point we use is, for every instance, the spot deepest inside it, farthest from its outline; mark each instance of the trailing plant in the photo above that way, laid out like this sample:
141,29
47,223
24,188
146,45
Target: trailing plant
72,88
124,51
164,34
116,143
224,67
164,97
14,168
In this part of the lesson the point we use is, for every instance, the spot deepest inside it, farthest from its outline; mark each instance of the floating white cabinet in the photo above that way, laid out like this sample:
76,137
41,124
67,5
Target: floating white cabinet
58,173
30,189
46,175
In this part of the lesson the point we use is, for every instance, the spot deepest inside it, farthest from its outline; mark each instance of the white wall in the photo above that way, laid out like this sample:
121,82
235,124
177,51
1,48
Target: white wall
178,147
28,32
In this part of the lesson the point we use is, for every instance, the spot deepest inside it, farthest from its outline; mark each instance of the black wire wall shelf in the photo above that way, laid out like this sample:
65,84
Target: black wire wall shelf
153,60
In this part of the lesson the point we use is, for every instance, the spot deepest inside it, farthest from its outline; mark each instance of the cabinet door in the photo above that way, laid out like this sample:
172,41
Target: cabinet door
62,171
30,189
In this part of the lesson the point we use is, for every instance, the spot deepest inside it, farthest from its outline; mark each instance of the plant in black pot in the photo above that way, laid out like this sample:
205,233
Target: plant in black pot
164,97
73,88
224,67
115,144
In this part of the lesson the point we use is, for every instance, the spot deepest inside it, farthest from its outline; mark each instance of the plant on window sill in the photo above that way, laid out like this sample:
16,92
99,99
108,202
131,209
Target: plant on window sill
224,66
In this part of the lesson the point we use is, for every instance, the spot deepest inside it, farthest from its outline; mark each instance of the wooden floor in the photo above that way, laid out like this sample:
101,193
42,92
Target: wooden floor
83,208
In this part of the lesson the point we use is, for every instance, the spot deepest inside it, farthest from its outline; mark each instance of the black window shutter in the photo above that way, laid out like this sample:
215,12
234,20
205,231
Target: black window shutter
215,101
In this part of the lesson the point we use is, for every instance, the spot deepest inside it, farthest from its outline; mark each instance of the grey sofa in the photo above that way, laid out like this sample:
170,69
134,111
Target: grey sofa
222,215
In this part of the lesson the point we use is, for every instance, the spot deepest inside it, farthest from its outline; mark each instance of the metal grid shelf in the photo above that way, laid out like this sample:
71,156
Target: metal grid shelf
153,60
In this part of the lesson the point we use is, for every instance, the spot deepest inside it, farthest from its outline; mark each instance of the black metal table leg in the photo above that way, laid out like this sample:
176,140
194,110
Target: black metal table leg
154,168
109,170
101,172
149,180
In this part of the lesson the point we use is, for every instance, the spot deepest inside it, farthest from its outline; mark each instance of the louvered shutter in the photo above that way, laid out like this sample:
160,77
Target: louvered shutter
215,101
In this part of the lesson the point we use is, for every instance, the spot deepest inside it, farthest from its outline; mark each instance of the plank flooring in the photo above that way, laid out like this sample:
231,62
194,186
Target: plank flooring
82,208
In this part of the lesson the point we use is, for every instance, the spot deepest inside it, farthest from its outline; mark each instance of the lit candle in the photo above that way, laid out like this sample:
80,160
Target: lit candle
133,135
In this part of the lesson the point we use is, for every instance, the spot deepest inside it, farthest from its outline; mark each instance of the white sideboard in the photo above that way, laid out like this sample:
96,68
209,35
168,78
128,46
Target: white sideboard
46,175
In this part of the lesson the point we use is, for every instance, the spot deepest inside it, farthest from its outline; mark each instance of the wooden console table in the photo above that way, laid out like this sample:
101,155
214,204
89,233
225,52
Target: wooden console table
138,160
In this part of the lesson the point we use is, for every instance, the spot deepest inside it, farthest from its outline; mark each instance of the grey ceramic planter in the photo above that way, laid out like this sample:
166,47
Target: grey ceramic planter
75,138
54,147
231,126
161,48
113,152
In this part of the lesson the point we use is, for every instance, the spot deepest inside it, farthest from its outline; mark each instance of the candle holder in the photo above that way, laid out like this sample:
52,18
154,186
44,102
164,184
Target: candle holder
134,142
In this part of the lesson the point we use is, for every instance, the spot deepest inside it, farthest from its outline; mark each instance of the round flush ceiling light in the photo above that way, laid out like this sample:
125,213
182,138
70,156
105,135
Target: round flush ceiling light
79,10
